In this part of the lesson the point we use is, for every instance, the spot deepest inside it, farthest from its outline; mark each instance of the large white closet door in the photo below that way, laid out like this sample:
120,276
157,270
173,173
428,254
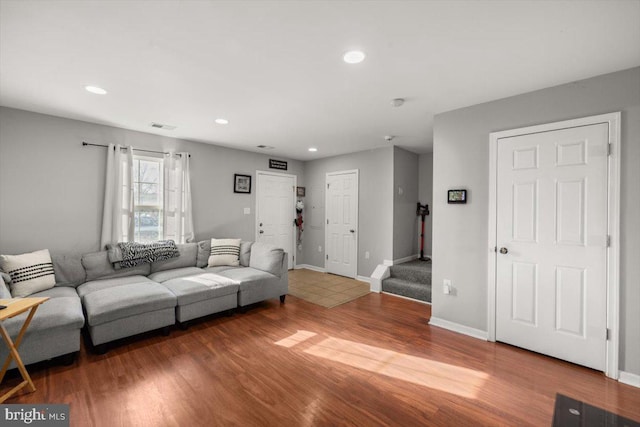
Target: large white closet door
551,294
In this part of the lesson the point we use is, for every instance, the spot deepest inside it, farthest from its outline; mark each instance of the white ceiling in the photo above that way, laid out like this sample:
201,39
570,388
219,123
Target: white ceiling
274,68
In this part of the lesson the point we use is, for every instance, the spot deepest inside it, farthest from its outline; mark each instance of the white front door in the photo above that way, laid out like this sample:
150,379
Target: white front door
341,241
275,211
551,290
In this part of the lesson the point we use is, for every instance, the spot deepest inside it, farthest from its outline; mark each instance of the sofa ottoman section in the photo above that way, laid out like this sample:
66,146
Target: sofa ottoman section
202,294
121,307
255,285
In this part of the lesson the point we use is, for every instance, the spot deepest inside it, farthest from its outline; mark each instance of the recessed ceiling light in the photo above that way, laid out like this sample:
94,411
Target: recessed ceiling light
95,89
222,121
354,57
313,149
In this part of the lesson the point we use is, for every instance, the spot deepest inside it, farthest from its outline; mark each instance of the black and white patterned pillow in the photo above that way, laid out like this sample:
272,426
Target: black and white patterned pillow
224,252
30,273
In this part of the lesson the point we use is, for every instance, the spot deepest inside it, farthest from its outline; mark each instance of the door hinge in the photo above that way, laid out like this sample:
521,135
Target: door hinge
327,257
495,249
327,186
608,334
608,240
609,149
327,221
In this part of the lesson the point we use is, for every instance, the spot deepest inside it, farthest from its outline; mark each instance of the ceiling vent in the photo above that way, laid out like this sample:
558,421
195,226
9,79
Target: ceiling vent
265,147
161,126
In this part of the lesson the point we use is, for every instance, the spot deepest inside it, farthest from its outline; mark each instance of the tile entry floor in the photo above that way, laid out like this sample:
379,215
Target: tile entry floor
327,290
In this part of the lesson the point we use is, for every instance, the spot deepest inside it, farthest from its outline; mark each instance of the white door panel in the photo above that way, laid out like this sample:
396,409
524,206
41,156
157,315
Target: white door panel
275,211
342,223
551,290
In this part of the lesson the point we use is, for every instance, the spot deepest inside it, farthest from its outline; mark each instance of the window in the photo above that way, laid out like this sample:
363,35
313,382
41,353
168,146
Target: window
148,198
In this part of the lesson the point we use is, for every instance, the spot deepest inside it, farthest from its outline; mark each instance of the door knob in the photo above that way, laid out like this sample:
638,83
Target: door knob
352,231
260,224
504,250
261,231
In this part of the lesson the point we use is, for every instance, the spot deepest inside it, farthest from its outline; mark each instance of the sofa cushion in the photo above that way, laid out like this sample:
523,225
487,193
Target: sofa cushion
249,277
187,258
266,257
62,311
224,252
96,285
69,270
204,252
201,287
163,276
118,302
31,272
218,269
97,266
4,289
245,253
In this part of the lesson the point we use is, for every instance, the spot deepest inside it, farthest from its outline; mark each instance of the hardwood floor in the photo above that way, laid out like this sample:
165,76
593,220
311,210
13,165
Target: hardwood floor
371,361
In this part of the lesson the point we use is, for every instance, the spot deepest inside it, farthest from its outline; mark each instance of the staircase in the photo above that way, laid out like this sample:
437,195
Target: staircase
410,279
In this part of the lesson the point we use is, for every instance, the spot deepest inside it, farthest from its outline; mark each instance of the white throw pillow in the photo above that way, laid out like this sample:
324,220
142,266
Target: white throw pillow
225,252
30,273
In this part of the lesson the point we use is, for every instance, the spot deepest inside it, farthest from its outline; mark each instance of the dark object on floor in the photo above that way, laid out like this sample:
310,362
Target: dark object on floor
422,211
410,279
569,412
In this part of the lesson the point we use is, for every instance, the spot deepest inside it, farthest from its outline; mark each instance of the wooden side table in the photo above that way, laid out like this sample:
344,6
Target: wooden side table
14,308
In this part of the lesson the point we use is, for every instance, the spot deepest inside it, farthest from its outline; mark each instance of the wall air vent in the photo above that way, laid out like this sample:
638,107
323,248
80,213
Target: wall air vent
161,126
265,147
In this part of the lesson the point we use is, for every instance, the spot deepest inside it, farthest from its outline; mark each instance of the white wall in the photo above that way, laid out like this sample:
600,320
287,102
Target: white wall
51,188
425,194
461,160
405,199
375,214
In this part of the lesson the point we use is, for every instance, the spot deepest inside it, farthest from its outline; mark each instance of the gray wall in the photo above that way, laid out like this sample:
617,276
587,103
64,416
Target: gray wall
425,194
461,160
375,212
51,188
405,220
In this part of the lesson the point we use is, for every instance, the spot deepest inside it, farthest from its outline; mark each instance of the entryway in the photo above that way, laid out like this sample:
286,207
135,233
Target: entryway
341,238
553,270
275,211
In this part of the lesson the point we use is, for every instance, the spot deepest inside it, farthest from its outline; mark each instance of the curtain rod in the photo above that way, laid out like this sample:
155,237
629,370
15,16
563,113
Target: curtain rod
134,149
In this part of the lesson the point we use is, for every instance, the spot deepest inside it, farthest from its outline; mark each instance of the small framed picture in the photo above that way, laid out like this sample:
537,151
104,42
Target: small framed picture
457,196
300,191
241,183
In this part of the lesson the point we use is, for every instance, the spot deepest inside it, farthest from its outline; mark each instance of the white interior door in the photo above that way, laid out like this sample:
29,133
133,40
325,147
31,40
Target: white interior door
275,211
341,242
551,271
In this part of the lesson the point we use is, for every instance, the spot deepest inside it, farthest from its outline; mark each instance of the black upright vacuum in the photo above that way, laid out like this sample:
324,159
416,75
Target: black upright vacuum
422,211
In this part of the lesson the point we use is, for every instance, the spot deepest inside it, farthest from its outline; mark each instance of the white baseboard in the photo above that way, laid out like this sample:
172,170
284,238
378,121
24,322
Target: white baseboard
310,267
364,279
403,297
629,379
461,329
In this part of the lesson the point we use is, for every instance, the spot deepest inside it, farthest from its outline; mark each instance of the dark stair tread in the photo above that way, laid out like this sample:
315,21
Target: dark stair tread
413,271
419,291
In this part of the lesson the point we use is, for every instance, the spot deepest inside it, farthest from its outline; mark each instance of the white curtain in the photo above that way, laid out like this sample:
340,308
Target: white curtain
117,215
178,216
